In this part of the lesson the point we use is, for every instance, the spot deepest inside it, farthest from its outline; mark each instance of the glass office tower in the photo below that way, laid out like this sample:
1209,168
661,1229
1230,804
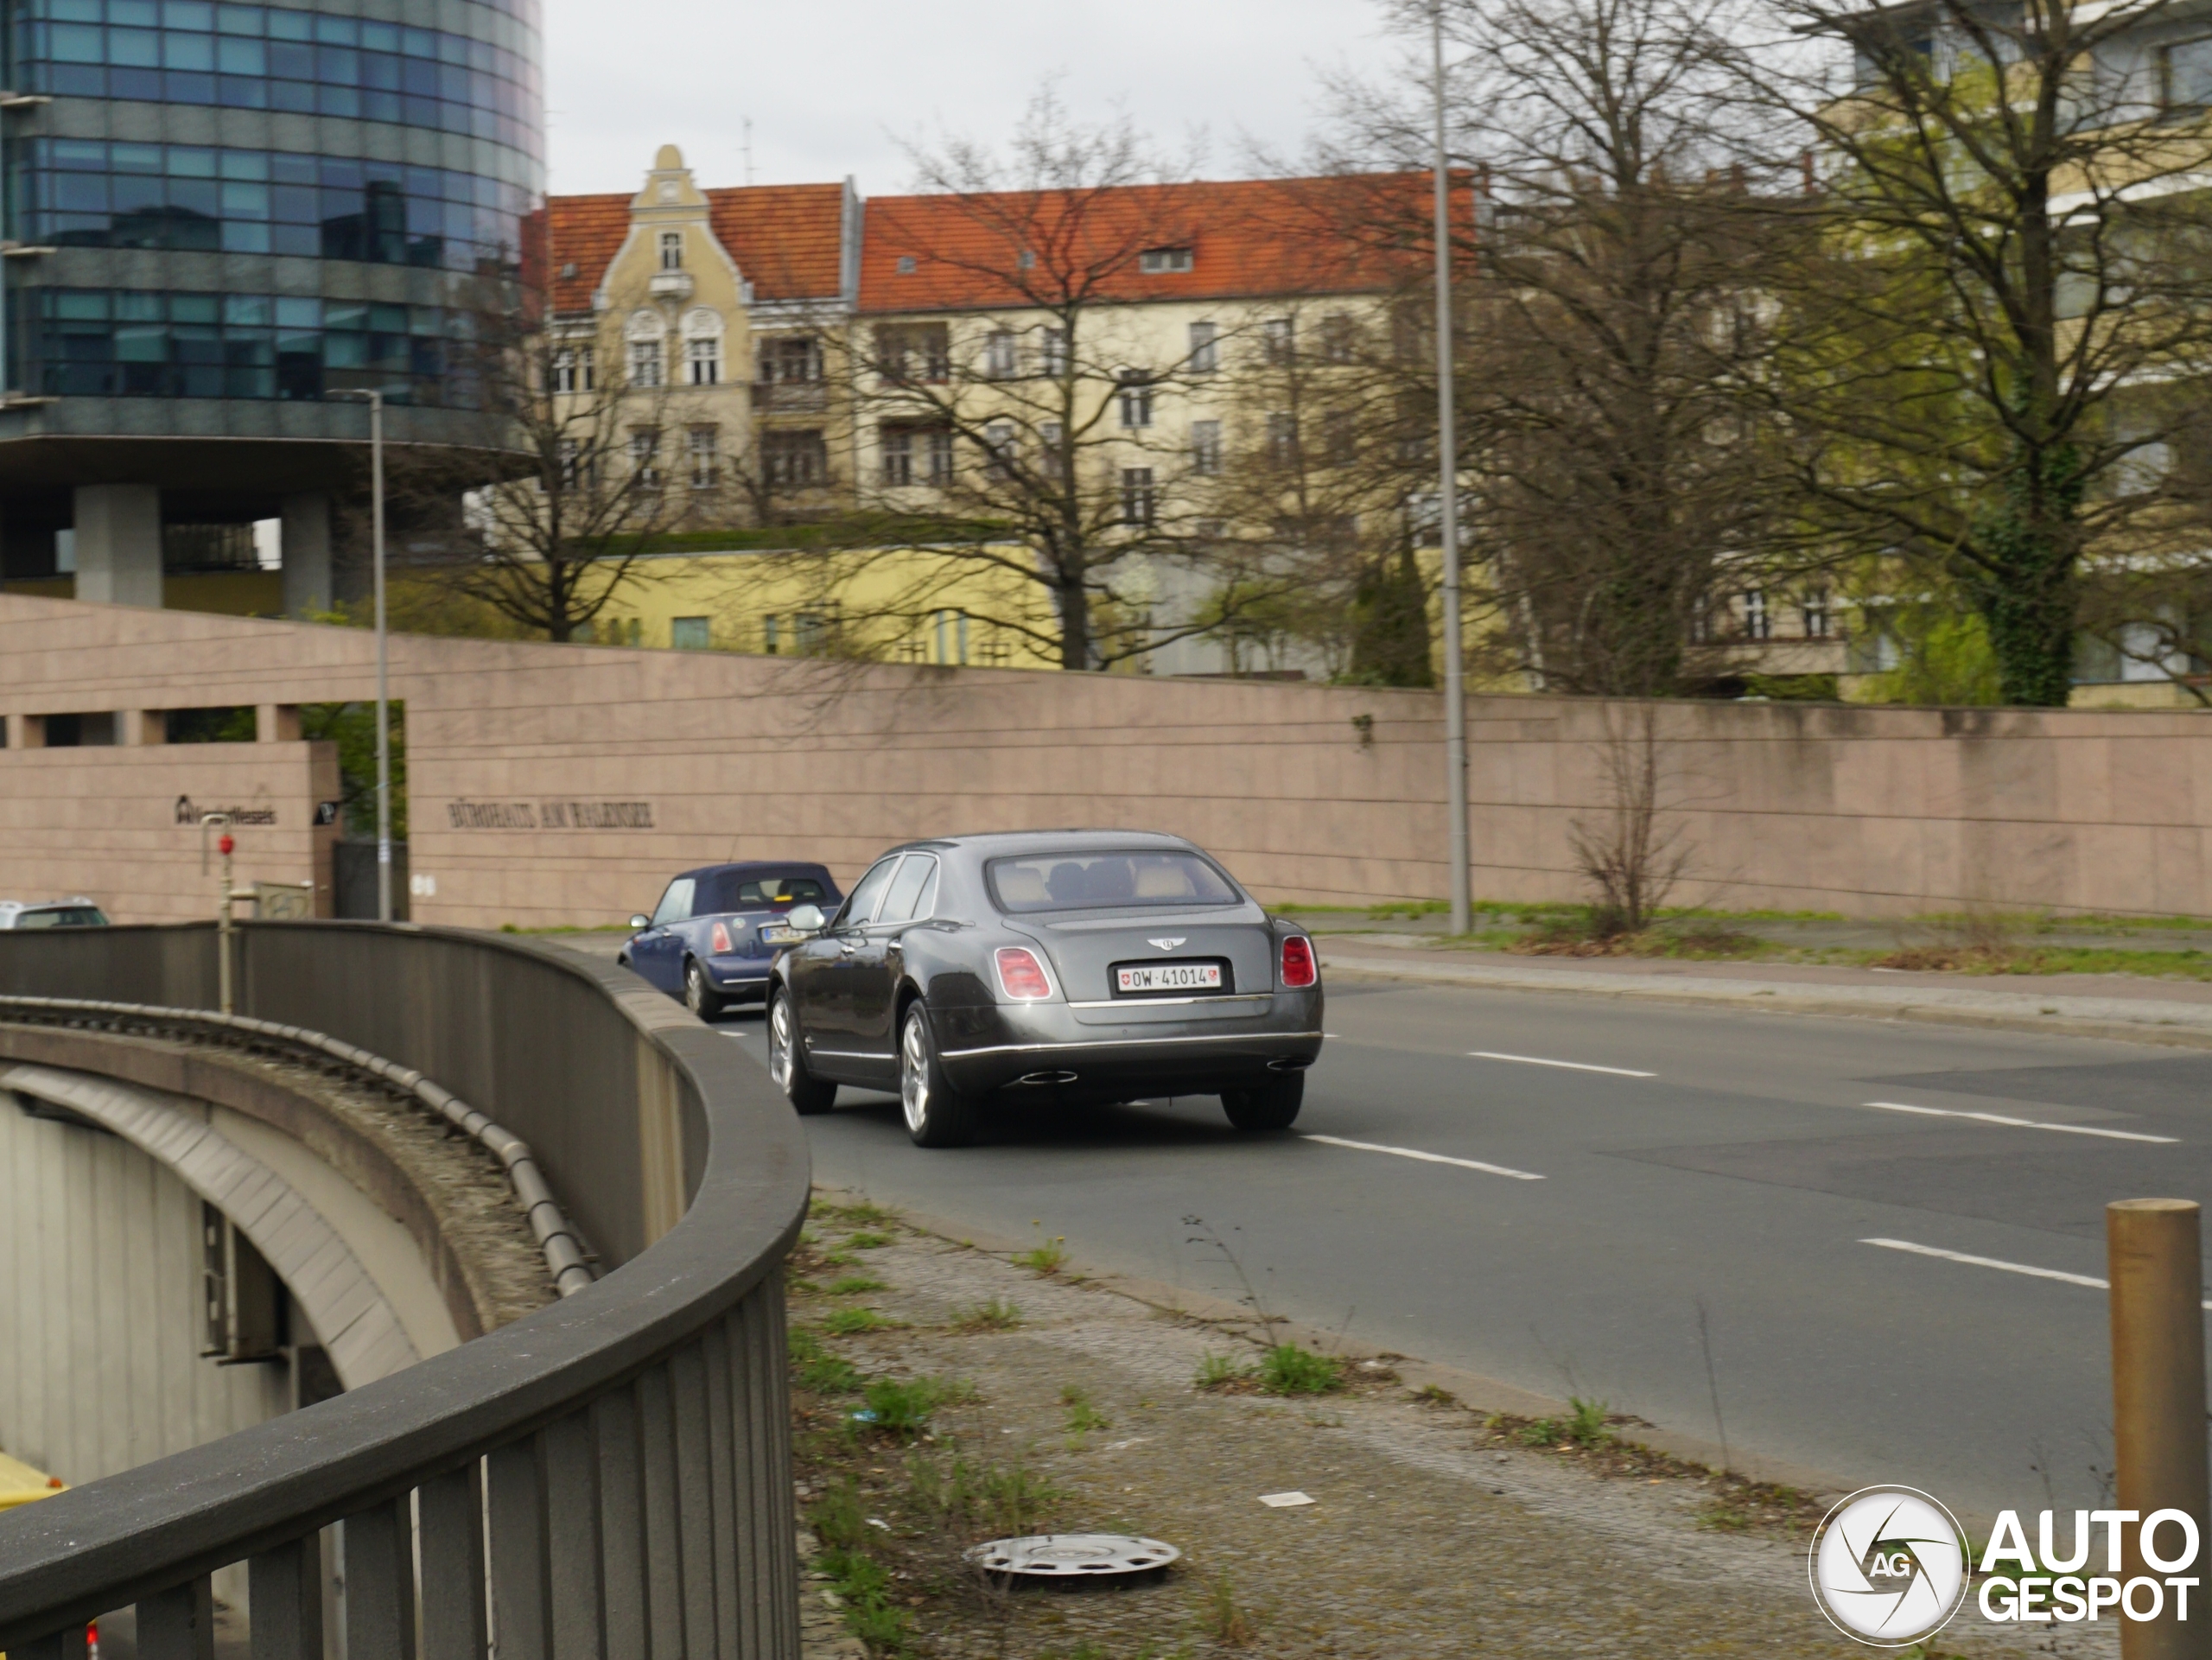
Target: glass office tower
218,216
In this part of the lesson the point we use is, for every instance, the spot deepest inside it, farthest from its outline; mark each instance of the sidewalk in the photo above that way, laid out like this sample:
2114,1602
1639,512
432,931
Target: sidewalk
2129,1008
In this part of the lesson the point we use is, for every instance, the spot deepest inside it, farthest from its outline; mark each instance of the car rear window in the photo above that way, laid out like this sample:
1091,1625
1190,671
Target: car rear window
779,890
1079,882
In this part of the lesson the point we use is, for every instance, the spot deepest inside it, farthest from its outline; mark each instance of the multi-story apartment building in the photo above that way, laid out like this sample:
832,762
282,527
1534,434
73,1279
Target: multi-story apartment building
1144,394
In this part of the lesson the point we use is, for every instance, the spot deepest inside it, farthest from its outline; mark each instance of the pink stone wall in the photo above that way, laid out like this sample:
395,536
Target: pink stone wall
654,760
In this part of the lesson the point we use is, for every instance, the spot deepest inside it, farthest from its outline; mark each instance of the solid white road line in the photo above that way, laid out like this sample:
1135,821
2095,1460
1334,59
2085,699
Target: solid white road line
1571,1066
2026,1123
1992,1261
1425,1158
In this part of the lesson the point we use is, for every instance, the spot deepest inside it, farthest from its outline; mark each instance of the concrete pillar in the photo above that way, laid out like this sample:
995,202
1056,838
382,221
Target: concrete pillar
137,727
119,543
276,722
306,542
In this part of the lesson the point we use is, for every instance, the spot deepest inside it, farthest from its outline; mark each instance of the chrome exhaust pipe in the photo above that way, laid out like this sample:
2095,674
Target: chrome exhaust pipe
1289,1064
1046,1077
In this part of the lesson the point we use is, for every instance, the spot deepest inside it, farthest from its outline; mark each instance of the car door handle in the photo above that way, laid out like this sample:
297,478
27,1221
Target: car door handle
847,947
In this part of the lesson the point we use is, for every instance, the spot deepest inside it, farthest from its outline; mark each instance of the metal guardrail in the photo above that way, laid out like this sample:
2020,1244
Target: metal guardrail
565,1257
609,1477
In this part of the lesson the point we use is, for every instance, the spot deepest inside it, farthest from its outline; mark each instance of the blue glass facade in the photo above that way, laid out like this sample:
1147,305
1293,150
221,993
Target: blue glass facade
259,204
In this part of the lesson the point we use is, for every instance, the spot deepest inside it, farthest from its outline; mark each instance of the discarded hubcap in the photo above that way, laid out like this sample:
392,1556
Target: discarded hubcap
1073,1555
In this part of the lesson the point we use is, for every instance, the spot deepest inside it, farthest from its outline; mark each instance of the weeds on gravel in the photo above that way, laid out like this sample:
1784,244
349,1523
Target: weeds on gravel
861,1214
838,1259
1049,1256
816,1369
1435,1395
853,1285
900,1408
996,1315
1003,1500
1226,1620
1586,1425
1221,1371
868,1241
1082,1416
850,1322
840,1520
1289,1368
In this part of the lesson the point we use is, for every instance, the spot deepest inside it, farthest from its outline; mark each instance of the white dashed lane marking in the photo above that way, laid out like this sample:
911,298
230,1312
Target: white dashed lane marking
1425,1158
2025,1123
2028,1268
1571,1066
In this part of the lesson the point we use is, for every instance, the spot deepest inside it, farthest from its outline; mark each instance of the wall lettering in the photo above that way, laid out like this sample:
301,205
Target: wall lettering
549,815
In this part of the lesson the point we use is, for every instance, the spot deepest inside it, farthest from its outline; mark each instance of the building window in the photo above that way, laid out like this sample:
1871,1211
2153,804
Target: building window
646,358
1139,502
572,369
1820,621
1136,398
905,264
1338,337
1053,350
1757,625
993,652
907,353
690,634
571,469
1001,359
1159,262
999,450
1205,447
671,251
1282,439
644,458
1336,437
790,361
2186,74
770,633
951,637
898,443
1278,342
702,447
940,455
1205,348
797,460
702,362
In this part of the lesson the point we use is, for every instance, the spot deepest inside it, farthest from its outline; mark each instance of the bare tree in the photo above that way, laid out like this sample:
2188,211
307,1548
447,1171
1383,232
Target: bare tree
1632,855
1613,335
1997,348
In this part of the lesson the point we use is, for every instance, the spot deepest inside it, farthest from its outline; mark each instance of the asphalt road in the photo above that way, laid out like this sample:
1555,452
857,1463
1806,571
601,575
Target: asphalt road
1729,1160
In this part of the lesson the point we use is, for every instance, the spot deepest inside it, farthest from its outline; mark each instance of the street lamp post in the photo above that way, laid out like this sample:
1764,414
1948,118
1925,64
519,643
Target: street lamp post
1455,695
384,702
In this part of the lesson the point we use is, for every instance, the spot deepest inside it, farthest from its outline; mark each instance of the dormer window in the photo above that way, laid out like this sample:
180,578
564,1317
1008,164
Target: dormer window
1159,262
905,264
671,251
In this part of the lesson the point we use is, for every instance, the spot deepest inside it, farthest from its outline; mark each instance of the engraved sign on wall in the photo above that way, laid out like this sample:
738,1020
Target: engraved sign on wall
549,815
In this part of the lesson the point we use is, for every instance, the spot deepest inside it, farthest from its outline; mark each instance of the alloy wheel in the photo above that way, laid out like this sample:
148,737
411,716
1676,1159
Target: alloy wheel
914,1074
780,1041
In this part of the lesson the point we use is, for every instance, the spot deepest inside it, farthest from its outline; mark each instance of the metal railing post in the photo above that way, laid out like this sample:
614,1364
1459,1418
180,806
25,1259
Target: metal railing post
2152,1248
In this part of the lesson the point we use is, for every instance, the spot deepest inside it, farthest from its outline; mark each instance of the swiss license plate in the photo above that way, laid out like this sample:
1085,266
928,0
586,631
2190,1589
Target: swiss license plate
780,936
1169,976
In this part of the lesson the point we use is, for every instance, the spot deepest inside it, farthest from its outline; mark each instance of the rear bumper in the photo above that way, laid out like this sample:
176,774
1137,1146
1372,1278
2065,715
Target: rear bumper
1023,1045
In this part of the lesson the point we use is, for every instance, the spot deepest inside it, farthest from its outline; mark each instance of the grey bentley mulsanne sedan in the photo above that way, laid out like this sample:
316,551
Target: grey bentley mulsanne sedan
1054,968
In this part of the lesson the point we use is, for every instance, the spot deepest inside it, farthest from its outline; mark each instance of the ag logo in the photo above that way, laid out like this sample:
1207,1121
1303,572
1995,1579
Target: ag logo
1889,1567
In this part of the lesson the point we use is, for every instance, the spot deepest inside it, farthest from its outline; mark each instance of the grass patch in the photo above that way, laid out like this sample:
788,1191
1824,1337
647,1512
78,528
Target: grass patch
1435,1395
838,1259
861,1214
1227,1620
995,1315
900,1408
1048,1256
851,1322
1290,1369
1220,1372
1083,1416
1587,1424
868,1241
814,1368
853,1285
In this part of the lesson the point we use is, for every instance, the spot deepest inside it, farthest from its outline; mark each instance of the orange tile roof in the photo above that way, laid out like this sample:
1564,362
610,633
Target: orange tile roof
786,238
1361,233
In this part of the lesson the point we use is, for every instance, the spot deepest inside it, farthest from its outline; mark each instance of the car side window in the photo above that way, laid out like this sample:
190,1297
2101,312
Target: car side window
860,908
906,889
675,904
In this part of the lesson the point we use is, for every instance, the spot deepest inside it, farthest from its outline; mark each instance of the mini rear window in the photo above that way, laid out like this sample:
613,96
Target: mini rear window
1085,881
779,890
73,916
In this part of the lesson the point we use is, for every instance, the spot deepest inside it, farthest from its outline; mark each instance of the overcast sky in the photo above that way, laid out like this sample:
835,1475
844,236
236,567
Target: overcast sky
831,87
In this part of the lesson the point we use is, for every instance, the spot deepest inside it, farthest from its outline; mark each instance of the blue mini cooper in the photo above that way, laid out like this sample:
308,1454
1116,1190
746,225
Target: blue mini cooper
716,929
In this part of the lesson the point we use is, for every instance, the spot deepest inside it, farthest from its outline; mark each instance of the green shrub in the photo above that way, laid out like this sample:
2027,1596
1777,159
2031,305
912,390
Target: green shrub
1287,1369
1219,1371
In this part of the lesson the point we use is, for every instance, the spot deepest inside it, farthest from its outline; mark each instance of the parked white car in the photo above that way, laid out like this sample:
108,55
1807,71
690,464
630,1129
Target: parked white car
78,912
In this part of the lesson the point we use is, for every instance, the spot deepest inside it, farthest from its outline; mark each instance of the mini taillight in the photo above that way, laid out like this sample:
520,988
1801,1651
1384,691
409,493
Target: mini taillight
1021,977
720,937
1298,968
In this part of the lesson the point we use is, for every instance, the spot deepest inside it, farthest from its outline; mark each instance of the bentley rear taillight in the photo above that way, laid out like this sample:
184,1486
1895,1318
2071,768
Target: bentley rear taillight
1021,977
1299,971
720,938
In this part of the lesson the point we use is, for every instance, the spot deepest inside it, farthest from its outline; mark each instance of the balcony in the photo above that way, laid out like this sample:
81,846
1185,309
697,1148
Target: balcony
669,285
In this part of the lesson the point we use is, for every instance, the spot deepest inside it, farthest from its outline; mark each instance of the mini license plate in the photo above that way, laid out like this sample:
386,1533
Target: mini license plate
780,936
1169,976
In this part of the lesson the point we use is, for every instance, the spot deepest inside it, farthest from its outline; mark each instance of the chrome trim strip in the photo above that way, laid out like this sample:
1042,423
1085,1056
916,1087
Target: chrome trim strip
1119,1043
848,1054
1171,1002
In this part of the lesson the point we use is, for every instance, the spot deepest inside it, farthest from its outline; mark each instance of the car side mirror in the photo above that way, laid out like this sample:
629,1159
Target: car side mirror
805,919
641,920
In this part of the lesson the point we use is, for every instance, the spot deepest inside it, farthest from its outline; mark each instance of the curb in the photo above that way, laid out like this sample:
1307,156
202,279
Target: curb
1784,997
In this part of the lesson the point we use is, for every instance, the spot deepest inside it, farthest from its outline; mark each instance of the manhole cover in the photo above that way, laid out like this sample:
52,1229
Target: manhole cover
1073,1555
